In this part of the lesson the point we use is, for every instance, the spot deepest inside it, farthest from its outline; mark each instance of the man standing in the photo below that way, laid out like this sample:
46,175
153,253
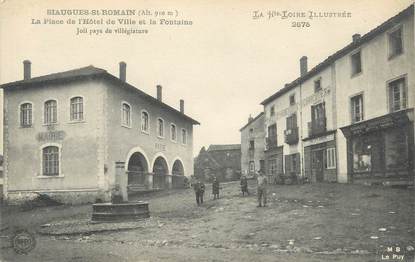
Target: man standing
215,188
244,185
262,189
199,189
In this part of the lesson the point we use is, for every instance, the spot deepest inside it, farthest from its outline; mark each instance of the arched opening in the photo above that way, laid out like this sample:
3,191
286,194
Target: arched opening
160,171
137,170
178,168
178,179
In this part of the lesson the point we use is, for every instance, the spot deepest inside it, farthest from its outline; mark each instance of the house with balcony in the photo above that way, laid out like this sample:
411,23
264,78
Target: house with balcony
253,145
305,123
350,118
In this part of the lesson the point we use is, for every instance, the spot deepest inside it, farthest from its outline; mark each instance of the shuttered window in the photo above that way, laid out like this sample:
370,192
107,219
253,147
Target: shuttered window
331,158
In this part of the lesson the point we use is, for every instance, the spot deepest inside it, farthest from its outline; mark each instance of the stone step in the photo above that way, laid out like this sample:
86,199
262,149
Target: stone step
136,187
117,217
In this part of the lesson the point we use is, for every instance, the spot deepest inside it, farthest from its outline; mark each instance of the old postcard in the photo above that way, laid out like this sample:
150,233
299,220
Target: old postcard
183,130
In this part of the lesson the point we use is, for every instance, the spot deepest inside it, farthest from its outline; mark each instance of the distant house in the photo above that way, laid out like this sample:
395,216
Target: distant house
253,145
224,161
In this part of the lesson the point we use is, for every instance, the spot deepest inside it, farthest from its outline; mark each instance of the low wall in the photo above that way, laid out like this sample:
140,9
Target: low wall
65,197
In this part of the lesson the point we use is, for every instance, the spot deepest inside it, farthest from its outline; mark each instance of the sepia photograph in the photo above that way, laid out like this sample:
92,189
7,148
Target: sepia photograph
257,130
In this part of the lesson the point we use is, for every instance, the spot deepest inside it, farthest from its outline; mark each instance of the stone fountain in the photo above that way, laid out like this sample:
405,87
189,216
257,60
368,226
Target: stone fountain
120,209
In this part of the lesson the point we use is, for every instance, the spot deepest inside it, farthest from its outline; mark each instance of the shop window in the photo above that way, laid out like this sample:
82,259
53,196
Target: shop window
395,42
331,158
26,115
160,127
50,112
50,161
356,61
397,95
317,85
357,108
368,153
144,122
396,149
77,109
362,155
125,115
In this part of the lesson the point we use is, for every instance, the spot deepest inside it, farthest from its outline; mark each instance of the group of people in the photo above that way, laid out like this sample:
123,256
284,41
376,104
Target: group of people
199,188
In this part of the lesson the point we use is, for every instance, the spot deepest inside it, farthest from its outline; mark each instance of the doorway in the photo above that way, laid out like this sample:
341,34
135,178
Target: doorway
317,171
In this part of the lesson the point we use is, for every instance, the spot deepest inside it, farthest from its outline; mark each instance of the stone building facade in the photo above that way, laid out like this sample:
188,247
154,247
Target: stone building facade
74,135
253,146
222,161
350,118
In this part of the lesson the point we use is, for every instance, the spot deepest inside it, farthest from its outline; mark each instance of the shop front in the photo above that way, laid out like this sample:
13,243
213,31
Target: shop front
320,158
274,163
381,149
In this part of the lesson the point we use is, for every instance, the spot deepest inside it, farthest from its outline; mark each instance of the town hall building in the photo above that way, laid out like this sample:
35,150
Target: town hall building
74,135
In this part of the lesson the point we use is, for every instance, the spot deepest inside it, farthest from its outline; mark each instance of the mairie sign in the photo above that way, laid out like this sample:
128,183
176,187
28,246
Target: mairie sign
50,136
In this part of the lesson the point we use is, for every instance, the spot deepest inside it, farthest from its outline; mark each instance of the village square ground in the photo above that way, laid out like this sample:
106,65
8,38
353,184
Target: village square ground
311,222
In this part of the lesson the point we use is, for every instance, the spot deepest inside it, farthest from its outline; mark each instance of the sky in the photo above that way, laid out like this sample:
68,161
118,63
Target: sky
223,65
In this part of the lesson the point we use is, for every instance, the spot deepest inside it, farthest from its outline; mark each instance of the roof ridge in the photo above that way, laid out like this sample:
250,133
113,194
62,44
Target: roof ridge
339,53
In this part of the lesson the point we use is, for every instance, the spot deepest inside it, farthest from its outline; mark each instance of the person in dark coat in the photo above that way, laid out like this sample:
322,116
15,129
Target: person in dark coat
215,188
244,185
199,188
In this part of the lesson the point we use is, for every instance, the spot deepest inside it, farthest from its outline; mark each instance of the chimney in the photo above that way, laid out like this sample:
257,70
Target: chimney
182,106
123,71
250,118
303,66
356,37
159,93
26,69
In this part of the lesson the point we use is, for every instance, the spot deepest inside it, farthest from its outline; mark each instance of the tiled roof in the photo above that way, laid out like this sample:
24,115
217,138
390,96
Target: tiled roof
90,72
224,147
328,61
